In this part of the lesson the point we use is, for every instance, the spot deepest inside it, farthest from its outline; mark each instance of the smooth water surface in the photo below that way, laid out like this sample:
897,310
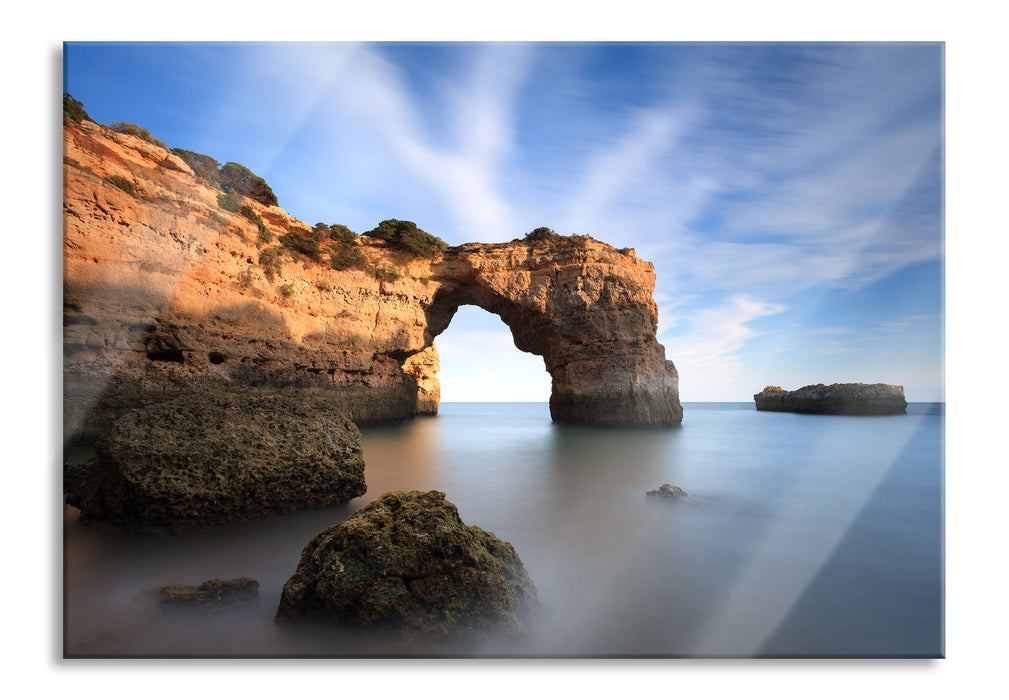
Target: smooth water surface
802,536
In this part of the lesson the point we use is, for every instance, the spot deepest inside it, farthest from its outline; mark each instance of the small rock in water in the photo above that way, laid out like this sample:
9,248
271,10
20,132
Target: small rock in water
668,492
212,594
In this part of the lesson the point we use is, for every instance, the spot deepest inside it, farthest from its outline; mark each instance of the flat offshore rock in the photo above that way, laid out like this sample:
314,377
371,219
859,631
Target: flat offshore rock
205,459
842,399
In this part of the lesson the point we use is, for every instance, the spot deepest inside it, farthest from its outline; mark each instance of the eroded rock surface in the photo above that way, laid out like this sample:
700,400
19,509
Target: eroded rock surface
845,399
210,595
667,492
407,562
202,459
166,293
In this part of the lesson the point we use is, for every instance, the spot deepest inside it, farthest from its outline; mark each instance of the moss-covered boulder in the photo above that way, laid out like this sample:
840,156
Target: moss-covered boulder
407,562
205,459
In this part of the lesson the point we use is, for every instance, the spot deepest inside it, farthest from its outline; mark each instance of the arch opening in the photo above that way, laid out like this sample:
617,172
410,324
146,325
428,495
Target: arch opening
480,361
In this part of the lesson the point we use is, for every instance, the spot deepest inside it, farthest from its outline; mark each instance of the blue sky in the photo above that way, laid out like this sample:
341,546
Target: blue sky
790,195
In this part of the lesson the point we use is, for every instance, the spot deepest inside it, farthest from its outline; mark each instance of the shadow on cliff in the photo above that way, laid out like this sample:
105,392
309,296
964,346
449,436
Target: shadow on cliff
111,366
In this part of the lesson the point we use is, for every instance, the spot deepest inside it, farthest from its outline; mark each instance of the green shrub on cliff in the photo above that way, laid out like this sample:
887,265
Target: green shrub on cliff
405,234
298,242
122,183
385,273
269,260
203,165
320,232
341,258
235,177
250,214
265,234
344,253
551,237
341,234
138,131
229,201
74,109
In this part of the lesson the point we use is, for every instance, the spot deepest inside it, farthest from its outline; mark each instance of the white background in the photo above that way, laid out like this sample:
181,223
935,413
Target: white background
975,330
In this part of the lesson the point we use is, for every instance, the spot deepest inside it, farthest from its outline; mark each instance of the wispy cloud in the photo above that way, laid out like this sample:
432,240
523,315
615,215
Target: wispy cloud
629,161
465,173
707,353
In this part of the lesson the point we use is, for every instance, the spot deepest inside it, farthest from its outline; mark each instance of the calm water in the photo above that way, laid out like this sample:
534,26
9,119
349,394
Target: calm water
802,536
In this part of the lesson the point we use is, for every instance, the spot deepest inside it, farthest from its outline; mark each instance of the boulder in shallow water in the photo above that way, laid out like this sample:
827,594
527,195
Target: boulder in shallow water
407,562
667,492
210,595
205,459
842,399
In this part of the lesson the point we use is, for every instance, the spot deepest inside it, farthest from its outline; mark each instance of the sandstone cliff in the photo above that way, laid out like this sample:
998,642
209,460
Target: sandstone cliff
166,292
848,399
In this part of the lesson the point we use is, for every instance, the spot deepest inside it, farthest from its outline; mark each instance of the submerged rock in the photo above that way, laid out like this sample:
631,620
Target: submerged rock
206,459
667,492
846,399
210,595
407,562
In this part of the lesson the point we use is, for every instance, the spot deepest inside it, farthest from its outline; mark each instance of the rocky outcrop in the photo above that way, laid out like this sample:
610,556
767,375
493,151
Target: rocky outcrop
167,293
846,399
407,563
211,595
667,492
202,459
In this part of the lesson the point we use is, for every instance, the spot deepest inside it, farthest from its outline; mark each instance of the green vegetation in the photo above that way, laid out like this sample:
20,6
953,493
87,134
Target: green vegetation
250,214
405,234
74,109
233,178
229,201
342,258
245,279
286,291
265,234
320,232
344,253
204,166
385,273
551,237
269,260
139,131
341,234
122,183
625,251
236,178
306,245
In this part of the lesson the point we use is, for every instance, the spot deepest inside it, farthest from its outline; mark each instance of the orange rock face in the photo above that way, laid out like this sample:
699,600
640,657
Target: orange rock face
165,294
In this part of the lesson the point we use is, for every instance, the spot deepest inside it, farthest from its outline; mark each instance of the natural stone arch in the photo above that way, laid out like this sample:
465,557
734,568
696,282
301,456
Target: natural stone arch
589,314
168,298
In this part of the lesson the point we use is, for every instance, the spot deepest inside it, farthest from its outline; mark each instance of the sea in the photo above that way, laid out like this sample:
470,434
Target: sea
800,536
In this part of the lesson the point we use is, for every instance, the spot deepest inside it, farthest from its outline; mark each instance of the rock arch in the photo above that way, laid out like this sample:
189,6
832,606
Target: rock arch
170,296
588,312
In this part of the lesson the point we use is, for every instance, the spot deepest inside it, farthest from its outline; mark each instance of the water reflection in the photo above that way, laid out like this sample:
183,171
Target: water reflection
801,534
